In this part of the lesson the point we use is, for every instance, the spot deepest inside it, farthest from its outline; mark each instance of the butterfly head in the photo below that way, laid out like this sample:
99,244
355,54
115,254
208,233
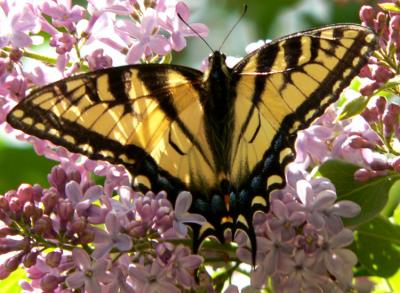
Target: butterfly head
217,67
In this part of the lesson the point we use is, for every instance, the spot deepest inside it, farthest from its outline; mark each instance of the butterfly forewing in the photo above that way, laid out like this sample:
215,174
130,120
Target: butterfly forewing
124,114
283,86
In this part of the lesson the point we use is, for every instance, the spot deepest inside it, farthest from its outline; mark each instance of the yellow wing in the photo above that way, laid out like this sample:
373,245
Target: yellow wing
126,115
282,87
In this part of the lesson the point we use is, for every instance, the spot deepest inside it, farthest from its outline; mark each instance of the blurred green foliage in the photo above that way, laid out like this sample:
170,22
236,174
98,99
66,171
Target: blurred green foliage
22,165
11,284
265,19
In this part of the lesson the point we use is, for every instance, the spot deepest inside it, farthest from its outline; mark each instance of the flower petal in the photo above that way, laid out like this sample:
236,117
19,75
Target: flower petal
81,258
75,280
183,202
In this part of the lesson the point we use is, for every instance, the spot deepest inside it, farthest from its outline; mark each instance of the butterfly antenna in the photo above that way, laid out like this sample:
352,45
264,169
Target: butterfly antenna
234,26
196,32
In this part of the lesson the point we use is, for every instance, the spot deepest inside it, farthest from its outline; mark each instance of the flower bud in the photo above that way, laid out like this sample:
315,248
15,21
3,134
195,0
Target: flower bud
394,109
49,283
358,142
380,23
363,175
389,122
86,237
15,205
367,15
4,205
14,261
75,176
382,74
164,218
30,259
25,192
146,207
65,210
43,225
10,194
78,225
53,258
5,231
38,192
365,72
379,165
369,88
394,31
49,200
380,103
8,244
28,209
57,178
4,272
4,217
15,55
395,163
137,228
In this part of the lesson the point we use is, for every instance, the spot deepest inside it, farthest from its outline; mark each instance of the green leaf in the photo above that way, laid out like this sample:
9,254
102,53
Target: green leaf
396,215
391,7
372,196
377,246
393,201
353,107
394,282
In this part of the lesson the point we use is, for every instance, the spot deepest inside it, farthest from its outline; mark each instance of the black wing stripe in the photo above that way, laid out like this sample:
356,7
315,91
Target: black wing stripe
292,52
166,103
315,46
266,59
285,137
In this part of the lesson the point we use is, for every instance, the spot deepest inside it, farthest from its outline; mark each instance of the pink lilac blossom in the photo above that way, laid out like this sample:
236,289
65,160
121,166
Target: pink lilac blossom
18,21
89,273
293,257
61,216
143,38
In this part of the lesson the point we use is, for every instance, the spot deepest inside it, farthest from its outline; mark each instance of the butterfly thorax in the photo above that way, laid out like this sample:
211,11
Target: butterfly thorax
219,113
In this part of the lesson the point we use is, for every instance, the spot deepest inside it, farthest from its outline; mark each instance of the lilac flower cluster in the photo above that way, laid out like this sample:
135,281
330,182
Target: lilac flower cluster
384,65
370,139
72,234
301,241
